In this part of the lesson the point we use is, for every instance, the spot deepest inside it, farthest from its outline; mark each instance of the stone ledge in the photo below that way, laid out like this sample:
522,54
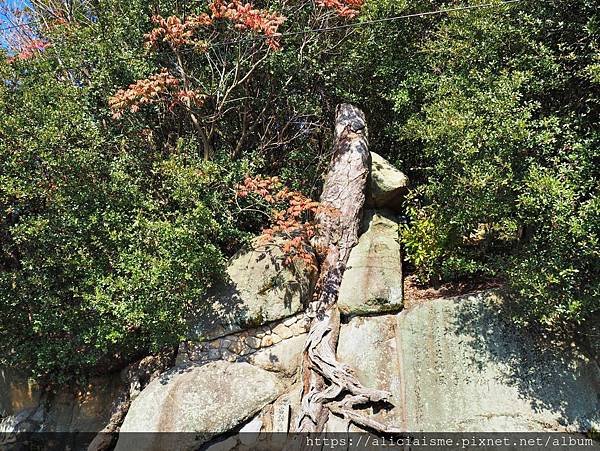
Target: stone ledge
238,346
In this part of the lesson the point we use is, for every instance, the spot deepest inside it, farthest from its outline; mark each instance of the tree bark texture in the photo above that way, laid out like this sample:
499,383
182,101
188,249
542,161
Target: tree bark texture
329,386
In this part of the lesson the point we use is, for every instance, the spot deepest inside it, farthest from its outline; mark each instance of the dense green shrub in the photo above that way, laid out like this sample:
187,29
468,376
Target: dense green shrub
509,131
105,249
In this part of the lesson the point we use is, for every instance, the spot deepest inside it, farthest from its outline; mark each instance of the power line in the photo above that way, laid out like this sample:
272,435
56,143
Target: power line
338,27
376,21
327,29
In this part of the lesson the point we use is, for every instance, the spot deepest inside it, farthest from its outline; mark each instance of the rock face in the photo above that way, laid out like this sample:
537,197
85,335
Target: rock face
456,365
260,290
372,282
387,184
369,345
17,393
202,400
283,357
25,408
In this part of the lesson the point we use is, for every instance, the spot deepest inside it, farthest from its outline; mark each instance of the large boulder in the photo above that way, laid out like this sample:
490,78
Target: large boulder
458,365
198,402
369,346
451,365
387,185
372,282
280,417
86,412
260,290
477,372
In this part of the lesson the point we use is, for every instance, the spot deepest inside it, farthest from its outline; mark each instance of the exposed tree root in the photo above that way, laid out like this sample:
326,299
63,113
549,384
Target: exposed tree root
329,386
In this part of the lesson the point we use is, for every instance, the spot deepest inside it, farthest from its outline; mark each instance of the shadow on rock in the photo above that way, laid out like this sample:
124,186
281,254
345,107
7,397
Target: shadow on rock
552,376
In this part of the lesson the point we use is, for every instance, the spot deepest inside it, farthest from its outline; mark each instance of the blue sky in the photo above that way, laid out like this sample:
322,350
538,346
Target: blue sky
10,4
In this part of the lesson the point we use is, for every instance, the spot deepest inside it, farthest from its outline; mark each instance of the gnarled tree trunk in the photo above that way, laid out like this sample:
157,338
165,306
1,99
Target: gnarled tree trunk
329,386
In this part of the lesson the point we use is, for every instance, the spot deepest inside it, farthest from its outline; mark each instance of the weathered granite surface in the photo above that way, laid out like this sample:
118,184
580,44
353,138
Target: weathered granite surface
202,400
260,290
387,185
372,282
457,365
